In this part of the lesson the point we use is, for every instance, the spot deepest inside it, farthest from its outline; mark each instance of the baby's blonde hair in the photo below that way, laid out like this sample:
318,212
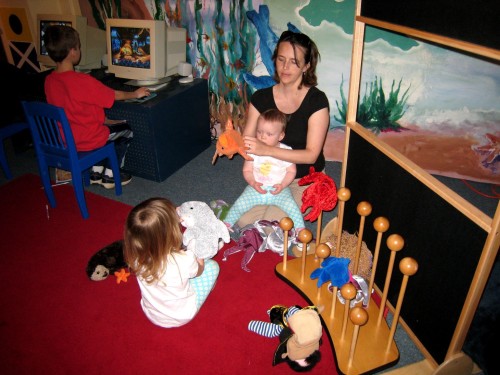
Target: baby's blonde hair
152,232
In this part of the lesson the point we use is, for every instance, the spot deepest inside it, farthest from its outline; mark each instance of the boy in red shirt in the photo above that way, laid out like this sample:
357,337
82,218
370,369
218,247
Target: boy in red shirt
84,98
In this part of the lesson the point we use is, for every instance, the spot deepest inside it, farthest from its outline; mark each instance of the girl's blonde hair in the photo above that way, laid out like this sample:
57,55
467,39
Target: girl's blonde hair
152,232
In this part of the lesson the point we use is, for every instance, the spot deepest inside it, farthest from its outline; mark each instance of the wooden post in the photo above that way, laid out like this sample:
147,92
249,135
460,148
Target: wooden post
408,267
359,317
395,243
364,209
343,195
304,236
322,252
348,291
318,228
381,225
285,224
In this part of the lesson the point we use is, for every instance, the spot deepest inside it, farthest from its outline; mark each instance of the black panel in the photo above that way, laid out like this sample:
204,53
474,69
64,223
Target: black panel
445,243
471,21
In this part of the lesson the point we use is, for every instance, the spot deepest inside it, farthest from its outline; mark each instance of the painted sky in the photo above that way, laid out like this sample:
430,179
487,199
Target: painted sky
449,90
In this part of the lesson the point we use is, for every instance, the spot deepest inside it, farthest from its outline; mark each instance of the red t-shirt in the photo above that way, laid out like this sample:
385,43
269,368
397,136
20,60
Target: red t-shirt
83,98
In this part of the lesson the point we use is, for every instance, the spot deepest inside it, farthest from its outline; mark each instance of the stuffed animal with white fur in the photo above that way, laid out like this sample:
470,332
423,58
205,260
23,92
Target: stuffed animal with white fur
203,230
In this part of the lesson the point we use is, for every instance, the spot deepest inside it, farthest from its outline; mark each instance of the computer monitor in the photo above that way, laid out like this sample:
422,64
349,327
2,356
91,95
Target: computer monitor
92,39
144,51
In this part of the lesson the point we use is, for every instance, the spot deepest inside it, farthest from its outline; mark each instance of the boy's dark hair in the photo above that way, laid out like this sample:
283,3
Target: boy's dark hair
59,40
312,360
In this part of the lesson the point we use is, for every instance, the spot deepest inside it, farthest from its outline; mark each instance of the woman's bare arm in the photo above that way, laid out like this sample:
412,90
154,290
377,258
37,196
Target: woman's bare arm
316,135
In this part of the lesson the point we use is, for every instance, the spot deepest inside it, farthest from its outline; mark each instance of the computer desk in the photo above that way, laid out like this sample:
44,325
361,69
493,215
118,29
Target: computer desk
169,130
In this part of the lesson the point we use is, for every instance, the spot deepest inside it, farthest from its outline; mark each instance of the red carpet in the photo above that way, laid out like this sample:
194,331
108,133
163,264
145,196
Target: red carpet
54,320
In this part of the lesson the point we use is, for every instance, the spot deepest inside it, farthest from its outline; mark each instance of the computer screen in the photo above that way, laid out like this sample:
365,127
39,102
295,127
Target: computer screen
144,50
92,39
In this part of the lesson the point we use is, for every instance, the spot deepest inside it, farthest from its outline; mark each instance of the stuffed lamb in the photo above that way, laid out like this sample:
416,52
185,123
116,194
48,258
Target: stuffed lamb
203,229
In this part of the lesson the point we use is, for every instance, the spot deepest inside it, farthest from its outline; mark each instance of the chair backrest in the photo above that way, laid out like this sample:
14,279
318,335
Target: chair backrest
50,128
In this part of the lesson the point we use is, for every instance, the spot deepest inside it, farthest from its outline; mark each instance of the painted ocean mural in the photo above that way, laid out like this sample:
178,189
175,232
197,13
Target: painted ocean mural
445,116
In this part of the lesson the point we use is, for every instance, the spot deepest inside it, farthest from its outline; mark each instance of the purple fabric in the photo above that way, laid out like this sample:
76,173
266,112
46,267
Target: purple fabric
249,243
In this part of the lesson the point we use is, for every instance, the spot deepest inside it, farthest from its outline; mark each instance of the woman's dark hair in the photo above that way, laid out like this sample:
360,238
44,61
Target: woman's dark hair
311,55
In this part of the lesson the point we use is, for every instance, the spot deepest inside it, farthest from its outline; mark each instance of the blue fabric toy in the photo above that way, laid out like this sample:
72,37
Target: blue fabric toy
332,269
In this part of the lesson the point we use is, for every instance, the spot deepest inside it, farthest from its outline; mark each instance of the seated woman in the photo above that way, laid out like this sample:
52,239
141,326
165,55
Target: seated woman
306,107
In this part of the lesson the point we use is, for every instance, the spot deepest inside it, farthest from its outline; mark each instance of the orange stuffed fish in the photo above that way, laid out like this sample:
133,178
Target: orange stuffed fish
230,143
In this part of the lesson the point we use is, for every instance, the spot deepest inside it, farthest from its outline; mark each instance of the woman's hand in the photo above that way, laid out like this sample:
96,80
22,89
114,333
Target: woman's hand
254,146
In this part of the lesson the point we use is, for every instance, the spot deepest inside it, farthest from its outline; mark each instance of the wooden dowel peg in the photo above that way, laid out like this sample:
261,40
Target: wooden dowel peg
343,195
395,243
364,209
304,236
348,292
381,225
334,302
408,267
318,227
286,224
359,317
322,252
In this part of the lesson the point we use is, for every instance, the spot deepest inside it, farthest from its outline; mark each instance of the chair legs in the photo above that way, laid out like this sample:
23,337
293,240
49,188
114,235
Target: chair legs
77,180
3,162
55,146
116,173
7,132
81,178
46,182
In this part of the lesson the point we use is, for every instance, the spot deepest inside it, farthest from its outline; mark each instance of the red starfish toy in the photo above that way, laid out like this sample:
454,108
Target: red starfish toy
320,196
122,276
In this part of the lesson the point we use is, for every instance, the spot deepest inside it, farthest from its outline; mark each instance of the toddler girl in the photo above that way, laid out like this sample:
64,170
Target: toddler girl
173,282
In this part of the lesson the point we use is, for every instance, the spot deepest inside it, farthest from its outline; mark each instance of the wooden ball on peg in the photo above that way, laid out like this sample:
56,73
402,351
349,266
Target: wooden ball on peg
286,224
344,194
364,208
348,291
305,236
381,224
323,251
395,242
358,316
408,266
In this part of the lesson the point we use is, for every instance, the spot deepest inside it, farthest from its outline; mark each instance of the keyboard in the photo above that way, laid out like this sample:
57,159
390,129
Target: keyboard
143,99
153,88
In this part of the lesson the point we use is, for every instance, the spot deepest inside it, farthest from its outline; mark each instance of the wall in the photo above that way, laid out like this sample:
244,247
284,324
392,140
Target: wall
458,137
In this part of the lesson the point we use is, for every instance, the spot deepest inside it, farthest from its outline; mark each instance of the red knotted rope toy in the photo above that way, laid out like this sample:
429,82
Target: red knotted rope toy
320,196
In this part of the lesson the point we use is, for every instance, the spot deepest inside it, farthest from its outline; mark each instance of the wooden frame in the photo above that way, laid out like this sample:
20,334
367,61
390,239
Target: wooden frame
491,226
478,249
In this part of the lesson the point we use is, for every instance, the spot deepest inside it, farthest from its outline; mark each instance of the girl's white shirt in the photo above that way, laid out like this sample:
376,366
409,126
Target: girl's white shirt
171,302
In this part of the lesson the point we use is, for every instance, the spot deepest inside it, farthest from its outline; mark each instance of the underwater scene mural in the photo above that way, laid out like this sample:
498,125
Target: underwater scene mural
438,107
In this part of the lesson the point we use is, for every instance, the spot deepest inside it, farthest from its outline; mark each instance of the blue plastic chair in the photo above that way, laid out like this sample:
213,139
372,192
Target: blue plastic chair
55,147
6,132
